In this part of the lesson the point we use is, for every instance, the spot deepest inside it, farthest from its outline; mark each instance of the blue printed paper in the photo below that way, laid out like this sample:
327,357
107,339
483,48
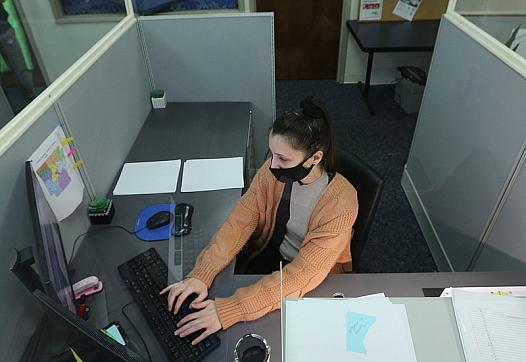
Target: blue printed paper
357,327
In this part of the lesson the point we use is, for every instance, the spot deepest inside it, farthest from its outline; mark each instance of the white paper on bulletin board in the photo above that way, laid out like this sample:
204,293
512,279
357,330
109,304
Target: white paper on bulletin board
371,10
53,166
407,8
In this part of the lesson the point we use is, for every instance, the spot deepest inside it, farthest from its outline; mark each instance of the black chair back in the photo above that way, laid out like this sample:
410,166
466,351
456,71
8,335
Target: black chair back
369,186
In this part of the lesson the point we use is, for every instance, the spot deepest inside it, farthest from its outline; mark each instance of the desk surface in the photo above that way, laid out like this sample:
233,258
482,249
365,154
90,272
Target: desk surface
422,313
181,131
394,36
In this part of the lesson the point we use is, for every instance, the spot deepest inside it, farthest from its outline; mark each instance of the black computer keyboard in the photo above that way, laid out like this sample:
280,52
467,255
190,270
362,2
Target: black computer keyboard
146,275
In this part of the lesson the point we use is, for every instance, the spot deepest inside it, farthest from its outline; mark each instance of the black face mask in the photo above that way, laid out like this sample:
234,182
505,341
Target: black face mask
292,174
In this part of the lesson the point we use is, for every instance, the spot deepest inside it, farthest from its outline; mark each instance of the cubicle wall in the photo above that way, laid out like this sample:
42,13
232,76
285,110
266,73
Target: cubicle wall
200,58
216,58
469,136
489,6
505,248
105,109
500,27
18,313
58,45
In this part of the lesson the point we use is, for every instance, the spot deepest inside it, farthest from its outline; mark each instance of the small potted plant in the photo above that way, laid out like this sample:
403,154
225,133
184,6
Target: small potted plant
158,98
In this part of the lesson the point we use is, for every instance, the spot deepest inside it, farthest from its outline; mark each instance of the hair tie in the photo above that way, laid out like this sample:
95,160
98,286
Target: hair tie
311,109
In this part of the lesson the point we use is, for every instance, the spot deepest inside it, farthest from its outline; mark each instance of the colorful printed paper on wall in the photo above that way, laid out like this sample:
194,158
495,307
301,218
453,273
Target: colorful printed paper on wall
371,10
57,175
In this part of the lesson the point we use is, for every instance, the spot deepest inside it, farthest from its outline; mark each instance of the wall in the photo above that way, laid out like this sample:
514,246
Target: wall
500,27
58,45
218,58
106,108
465,147
18,312
6,113
509,6
354,65
352,62
505,247
88,107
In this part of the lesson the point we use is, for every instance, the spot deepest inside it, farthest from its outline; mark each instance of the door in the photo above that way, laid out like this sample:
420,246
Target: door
307,37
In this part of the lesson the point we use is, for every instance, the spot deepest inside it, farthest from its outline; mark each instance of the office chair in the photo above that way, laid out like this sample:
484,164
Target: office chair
369,186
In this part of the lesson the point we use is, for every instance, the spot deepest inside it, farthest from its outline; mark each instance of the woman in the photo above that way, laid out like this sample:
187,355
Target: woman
297,211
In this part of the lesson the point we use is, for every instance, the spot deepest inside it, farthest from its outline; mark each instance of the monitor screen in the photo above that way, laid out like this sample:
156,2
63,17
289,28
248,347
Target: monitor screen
50,255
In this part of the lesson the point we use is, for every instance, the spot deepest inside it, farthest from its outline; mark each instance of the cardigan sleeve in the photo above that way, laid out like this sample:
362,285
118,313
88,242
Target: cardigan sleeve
231,236
311,266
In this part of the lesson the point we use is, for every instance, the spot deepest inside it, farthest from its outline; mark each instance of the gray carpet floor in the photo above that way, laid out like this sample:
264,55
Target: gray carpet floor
395,242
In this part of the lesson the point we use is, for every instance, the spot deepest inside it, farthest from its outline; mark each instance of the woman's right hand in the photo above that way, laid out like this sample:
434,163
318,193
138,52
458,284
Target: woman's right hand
181,290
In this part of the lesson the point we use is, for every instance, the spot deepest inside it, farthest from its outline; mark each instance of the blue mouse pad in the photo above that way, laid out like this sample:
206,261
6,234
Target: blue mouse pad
162,233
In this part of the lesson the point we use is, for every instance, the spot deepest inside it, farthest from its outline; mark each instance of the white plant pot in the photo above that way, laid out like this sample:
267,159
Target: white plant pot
159,102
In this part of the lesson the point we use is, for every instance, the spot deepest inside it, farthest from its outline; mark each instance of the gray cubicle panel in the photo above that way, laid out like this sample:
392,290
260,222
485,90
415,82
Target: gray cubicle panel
469,135
19,314
106,108
500,27
6,113
505,247
215,58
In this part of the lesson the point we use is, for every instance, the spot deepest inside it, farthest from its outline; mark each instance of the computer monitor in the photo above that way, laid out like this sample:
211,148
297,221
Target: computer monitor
88,343
21,266
50,256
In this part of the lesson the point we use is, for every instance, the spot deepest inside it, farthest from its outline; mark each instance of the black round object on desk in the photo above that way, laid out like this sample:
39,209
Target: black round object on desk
252,348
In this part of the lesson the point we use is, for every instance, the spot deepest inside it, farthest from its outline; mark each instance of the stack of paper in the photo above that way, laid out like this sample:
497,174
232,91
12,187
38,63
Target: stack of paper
491,327
369,328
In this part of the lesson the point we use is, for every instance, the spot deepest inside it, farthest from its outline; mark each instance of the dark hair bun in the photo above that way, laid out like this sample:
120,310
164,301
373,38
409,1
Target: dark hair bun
311,108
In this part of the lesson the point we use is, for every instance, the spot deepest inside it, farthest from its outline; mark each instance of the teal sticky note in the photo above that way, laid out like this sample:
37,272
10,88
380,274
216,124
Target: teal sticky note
114,333
357,327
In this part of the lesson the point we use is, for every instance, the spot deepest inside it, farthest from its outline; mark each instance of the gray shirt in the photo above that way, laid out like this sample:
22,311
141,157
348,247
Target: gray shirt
302,201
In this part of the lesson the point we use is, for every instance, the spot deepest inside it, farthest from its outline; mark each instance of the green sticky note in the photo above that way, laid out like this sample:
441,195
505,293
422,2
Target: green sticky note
75,355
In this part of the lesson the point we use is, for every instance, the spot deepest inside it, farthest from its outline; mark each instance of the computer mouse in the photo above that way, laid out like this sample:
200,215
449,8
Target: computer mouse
183,219
159,219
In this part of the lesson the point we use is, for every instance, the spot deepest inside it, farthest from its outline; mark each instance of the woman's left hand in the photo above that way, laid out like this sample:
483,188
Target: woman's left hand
206,319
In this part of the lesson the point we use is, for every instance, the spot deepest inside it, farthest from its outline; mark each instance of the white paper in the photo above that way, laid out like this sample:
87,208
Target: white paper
519,44
212,174
407,8
371,9
317,330
155,177
492,328
61,183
